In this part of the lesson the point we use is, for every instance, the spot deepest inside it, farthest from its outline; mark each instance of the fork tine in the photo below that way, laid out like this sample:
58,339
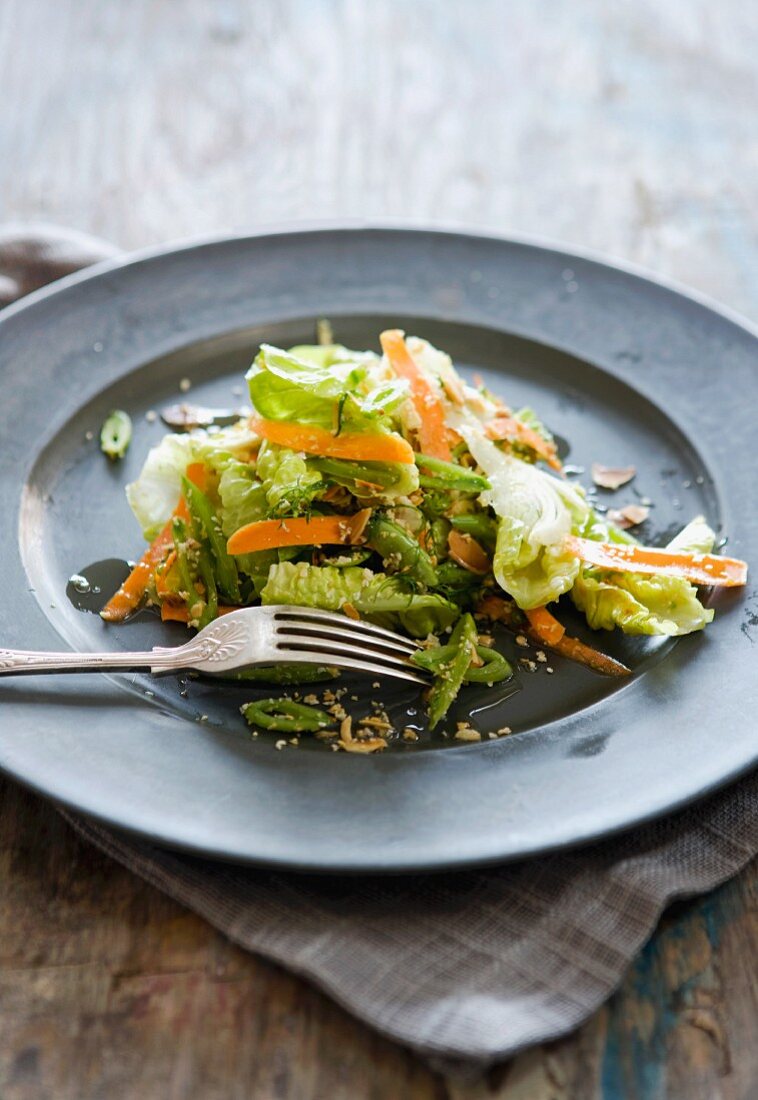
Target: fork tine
304,614
321,647
296,630
398,672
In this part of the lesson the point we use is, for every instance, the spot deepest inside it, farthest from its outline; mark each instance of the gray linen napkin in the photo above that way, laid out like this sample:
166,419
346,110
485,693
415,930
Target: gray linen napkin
471,966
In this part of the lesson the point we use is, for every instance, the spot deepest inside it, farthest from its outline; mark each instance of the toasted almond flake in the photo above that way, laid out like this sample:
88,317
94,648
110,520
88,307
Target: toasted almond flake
350,611
466,552
541,656
629,516
346,728
504,731
612,477
311,699
522,640
371,744
376,684
377,722
410,734
467,734
453,388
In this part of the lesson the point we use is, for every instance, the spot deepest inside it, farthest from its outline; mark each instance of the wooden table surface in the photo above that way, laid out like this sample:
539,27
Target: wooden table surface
627,128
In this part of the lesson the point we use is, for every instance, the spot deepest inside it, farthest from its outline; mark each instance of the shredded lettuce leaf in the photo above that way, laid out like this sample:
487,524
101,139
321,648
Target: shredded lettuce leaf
374,595
242,496
643,604
535,512
290,483
334,394
154,495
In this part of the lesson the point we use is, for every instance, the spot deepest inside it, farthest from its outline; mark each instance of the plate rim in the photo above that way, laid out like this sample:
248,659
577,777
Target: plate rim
395,865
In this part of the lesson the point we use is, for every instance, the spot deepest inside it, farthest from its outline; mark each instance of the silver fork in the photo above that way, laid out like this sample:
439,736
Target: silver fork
246,638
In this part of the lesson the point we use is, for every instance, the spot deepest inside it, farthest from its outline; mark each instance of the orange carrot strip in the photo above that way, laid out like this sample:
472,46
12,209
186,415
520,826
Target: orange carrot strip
197,473
130,594
160,575
697,568
514,430
433,431
268,534
505,611
178,613
591,658
350,445
545,625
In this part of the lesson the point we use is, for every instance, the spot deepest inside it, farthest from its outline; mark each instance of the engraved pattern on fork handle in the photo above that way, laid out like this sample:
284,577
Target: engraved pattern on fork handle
220,644
19,660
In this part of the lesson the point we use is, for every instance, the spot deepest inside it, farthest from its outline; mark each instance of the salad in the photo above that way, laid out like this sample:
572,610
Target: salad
387,487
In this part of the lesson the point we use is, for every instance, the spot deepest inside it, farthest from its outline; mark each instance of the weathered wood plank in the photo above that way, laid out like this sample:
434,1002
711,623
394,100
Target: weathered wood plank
109,988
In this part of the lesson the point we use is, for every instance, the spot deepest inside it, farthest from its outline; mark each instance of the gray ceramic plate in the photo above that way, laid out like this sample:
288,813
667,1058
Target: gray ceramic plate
627,370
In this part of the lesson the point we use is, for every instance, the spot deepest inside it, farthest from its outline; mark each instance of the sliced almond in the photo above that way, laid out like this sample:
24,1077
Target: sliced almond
612,477
467,553
629,516
367,744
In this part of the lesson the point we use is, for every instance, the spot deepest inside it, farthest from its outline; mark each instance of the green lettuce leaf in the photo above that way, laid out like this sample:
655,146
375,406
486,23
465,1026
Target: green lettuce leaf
535,514
242,496
155,494
374,595
328,391
289,482
646,604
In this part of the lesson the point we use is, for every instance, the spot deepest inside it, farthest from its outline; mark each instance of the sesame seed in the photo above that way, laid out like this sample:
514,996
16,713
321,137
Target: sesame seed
184,385
280,744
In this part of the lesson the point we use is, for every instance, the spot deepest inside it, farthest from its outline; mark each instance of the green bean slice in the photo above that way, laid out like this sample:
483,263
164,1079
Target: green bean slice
204,515
284,674
286,716
450,475
116,434
450,674
480,526
394,544
494,670
205,566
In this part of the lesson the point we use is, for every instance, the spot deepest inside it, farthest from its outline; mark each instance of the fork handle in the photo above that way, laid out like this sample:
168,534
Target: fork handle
13,661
